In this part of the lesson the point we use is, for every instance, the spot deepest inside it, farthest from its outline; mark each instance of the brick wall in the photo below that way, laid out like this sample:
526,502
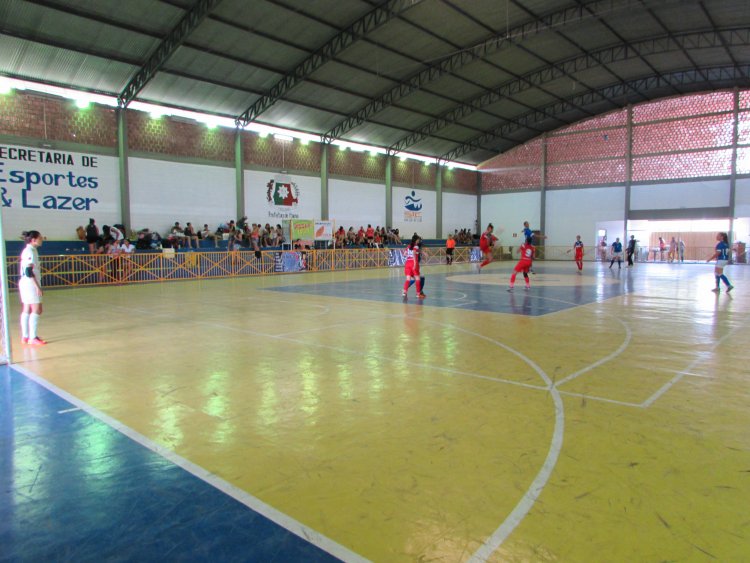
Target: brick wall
356,164
53,119
460,180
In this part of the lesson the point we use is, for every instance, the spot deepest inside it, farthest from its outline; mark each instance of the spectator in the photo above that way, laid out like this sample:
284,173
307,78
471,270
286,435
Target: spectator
206,234
92,236
191,236
125,258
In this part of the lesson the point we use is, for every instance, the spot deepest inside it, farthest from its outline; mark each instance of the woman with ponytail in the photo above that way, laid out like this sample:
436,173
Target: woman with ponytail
411,267
30,289
721,255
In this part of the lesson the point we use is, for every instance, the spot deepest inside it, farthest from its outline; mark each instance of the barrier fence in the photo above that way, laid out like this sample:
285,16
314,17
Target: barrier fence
96,269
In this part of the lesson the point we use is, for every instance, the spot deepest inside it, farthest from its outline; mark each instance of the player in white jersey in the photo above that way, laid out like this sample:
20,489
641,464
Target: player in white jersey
30,289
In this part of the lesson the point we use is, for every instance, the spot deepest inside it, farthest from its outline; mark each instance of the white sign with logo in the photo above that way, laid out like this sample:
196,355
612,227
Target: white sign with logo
55,191
272,197
414,211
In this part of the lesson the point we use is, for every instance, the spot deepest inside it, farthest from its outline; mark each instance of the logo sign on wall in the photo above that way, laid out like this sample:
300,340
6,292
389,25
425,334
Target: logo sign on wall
283,197
412,208
324,230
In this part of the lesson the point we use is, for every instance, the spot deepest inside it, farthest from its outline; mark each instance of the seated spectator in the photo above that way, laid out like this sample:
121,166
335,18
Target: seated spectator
125,253
206,234
191,236
279,235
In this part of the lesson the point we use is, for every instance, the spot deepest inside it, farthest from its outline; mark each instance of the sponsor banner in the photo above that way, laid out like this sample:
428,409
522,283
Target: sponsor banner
303,229
54,191
475,255
396,257
282,197
324,230
285,262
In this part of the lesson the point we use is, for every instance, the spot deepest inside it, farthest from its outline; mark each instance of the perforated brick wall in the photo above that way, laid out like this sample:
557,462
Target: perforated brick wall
413,173
356,164
460,180
172,136
54,119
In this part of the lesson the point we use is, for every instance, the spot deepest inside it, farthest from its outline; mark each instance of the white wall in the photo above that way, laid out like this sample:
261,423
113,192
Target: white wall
582,212
410,221
507,212
355,204
682,195
459,212
742,198
56,197
304,202
163,192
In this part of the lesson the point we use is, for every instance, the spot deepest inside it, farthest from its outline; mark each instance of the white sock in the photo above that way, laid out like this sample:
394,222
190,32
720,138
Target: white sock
33,323
25,324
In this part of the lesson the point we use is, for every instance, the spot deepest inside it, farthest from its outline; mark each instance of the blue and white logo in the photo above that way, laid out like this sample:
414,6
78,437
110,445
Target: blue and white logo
412,202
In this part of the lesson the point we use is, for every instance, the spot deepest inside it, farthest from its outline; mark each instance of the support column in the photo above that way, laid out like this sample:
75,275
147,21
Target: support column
324,181
239,173
389,191
628,170
478,227
733,177
438,200
543,190
122,164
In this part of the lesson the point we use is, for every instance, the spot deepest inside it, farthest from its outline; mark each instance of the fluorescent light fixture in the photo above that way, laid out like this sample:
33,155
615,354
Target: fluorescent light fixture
282,137
156,114
262,134
5,86
82,103
304,141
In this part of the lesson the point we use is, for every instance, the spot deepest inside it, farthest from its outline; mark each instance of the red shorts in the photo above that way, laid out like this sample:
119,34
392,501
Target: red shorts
484,248
523,266
579,254
410,270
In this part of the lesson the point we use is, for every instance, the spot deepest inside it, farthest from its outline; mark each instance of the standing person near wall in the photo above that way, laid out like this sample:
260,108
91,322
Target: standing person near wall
682,250
578,250
30,289
673,249
411,267
721,255
631,250
526,253
450,244
616,254
486,242
92,236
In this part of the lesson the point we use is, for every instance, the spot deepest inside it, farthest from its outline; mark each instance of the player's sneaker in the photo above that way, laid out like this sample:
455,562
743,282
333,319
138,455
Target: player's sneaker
421,296
716,290
403,294
24,340
510,290
730,288
37,341
527,287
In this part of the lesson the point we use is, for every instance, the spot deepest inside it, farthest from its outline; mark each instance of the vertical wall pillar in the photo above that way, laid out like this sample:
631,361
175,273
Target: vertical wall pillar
239,173
543,190
324,181
478,228
733,177
439,200
122,164
628,169
389,191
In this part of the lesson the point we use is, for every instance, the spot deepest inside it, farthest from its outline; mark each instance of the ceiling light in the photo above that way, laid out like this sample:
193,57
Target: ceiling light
280,137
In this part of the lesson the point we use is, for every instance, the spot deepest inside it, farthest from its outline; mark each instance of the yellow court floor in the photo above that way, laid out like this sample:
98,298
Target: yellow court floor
600,416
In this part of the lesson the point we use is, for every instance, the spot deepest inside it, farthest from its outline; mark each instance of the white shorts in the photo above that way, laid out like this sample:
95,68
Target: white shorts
721,263
28,292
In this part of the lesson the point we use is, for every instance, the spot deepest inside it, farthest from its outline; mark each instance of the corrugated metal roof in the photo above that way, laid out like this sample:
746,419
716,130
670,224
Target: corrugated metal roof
401,76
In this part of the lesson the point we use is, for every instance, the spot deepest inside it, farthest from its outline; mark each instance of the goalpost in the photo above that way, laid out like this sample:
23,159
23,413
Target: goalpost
4,334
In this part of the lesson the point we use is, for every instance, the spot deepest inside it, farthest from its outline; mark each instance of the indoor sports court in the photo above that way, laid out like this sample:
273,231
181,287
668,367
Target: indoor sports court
476,423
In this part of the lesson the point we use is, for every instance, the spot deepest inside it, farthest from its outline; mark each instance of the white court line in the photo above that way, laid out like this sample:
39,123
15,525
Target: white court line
605,359
600,399
69,410
286,522
536,487
671,383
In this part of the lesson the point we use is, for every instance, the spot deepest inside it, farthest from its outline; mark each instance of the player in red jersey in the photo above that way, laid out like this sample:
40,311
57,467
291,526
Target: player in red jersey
486,242
578,249
524,264
411,267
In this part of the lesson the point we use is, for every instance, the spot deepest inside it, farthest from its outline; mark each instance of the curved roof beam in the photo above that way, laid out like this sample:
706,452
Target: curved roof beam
165,49
616,53
733,73
370,21
512,36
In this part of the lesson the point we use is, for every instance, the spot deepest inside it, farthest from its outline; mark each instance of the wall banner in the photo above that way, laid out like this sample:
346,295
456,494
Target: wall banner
412,208
56,190
324,230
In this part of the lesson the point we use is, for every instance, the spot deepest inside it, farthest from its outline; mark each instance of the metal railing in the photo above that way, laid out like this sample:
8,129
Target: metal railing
97,270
